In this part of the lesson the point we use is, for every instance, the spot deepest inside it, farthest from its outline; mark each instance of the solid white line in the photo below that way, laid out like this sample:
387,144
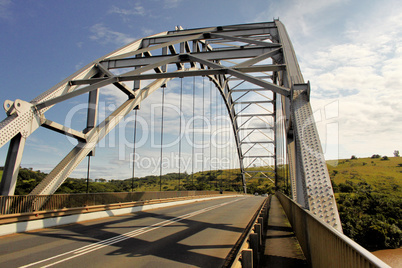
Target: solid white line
113,240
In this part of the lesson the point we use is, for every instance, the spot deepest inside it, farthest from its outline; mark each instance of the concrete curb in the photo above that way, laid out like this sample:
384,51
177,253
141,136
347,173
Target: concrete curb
25,226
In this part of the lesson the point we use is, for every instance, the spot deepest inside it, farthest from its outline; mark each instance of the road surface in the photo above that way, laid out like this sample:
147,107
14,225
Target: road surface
194,235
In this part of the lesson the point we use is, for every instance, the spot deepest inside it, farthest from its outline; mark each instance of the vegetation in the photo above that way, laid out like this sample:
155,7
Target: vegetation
384,177
368,194
216,180
372,220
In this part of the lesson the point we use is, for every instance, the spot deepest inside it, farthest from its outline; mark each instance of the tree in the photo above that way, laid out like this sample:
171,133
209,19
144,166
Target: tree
396,153
346,187
353,157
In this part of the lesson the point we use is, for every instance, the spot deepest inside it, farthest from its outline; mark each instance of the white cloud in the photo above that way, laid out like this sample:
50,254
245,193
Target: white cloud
365,76
172,3
380,25
5,9
138,9
39,145
355,60
104,35
79,65
300,17
147,32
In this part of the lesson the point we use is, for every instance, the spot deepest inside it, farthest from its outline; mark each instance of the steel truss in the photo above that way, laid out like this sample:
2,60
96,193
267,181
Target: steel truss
253,66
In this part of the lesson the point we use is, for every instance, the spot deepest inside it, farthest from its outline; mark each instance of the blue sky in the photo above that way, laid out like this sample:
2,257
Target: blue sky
349,50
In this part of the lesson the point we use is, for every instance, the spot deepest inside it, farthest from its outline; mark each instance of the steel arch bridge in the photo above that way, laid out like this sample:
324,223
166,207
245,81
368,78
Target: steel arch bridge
253,66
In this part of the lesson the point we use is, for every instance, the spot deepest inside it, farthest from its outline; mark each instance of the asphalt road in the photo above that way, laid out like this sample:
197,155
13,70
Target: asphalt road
194,235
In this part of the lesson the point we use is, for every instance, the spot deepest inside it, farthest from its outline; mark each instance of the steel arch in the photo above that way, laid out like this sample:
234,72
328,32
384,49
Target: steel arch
225,54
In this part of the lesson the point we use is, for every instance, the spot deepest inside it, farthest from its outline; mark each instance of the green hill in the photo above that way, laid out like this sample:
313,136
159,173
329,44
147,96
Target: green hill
382,176
348,176
368,193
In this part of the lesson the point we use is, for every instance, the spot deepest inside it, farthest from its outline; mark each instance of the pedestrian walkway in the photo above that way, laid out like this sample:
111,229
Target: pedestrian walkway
282,248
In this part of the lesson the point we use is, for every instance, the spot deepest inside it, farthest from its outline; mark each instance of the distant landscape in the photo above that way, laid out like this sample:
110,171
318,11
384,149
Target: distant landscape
368,192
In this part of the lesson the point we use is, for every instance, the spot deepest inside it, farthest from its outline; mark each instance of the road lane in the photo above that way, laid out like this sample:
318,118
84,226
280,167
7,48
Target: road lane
194,235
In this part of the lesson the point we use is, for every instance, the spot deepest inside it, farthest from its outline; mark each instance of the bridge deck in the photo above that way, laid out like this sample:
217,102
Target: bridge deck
282,248
199,234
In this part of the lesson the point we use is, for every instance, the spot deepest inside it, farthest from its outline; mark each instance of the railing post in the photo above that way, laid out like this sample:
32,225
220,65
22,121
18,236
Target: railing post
261,222
258,231
254,245
247,258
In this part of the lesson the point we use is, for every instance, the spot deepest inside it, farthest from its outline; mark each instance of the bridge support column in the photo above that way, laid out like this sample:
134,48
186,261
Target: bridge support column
12,165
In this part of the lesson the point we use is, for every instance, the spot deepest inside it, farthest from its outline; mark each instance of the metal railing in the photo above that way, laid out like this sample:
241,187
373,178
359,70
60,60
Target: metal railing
249,247
322,245
31,203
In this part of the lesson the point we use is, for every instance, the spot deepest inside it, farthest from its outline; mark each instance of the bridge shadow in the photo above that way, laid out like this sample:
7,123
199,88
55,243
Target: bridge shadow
182,244
281,247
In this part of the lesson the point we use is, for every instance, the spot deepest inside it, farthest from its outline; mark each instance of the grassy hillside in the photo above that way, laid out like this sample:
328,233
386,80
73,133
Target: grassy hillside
368,193
383,176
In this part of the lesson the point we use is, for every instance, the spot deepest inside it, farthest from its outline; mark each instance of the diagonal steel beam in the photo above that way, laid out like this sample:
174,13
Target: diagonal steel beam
258,58
270,86
150,48
245,40
64,130
60,173
101,83
75,93
125,89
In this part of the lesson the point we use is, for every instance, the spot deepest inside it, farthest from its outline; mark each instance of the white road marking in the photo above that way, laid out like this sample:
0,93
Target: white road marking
113,240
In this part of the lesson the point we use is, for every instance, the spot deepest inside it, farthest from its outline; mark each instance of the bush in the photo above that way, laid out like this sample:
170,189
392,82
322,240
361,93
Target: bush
376,156
353,157
345,188
372,220
384,158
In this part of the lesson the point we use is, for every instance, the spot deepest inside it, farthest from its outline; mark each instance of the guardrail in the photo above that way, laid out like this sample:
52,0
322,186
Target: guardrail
32,203
248,249
44,214
322,245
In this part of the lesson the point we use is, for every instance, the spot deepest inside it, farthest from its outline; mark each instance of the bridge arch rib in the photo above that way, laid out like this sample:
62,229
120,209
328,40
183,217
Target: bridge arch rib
258,55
